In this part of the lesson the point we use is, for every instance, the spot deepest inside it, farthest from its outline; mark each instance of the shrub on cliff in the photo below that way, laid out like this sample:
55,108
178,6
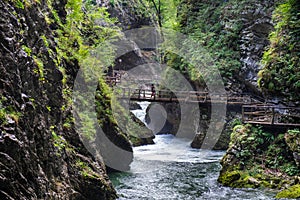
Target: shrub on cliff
281,72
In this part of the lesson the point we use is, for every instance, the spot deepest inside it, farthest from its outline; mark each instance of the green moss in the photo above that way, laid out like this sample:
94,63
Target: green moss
46,43
229,178
266,184
261,158
86,170
40,69
292,192
241,179
3,116
8,112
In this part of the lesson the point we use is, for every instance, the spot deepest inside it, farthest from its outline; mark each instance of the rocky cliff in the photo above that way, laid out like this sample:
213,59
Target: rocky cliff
262,158
41,153
236,34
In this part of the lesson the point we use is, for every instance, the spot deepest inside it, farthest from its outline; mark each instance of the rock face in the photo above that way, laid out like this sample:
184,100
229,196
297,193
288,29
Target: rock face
130,15
41,154
246,26
166,118
292,139
260,158
257,25
141,134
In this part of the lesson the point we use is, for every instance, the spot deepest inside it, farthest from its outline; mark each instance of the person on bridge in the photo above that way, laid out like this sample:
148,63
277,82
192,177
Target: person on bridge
153,91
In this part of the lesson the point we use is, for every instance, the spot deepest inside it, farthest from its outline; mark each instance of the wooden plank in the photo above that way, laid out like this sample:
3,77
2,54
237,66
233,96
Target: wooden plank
268,123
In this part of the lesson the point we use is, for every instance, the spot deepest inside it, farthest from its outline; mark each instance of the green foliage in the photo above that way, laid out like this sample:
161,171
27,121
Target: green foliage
294,132
45,41
166,12
19,4
281,60
290,169
86,170
40,69
81,32
8,112
59,142
261,158
3,115
26,49
216,26
69,121
255,141
82,39
235,122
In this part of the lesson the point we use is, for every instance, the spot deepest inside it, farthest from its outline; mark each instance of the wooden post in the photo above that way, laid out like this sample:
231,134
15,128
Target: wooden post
139,94
123,92
243,114
273,115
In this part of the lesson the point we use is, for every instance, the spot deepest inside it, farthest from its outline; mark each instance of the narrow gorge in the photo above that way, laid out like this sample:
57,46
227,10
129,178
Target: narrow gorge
149,99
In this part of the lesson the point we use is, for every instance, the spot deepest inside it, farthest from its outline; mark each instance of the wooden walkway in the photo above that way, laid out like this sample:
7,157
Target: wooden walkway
271,115
254,111
180,96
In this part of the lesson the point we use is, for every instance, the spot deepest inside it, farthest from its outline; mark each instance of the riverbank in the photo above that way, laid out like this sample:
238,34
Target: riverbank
257,158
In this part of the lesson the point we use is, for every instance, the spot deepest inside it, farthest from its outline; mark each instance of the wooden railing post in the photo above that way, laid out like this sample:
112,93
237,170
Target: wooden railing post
139,94
273,115
243,114
123,92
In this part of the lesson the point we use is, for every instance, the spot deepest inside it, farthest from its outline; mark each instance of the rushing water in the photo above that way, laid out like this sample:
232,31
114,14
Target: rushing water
171,169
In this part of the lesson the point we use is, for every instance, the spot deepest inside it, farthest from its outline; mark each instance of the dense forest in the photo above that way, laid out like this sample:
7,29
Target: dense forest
63,130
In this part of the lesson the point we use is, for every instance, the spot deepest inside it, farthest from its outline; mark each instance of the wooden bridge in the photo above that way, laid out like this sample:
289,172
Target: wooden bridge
254,110
181,96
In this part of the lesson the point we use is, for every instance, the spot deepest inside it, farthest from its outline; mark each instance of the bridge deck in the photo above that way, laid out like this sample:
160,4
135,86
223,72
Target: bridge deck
180,96
253,110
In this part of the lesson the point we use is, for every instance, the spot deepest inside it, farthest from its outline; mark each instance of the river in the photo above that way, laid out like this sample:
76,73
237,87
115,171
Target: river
171,169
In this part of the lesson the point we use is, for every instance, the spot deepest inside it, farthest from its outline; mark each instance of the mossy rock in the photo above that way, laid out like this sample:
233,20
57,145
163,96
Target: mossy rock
292,192
239,179
228,178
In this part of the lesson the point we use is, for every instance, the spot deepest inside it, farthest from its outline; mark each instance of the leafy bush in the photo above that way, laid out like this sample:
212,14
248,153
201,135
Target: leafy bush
216,26
282,59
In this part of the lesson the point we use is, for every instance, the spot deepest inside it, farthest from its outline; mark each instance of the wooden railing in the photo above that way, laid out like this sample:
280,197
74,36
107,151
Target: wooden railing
254,110
112,81
271,115
179,96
